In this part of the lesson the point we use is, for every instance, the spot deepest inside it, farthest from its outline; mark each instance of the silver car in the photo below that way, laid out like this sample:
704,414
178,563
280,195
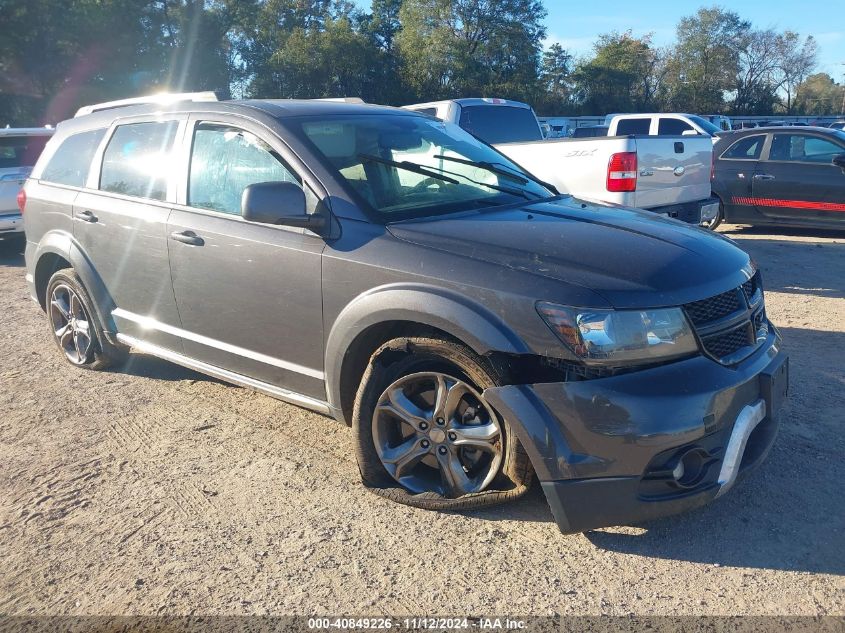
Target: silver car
19,149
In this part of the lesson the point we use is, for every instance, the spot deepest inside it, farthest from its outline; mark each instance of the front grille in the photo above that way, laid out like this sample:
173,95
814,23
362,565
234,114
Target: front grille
731,321
725,344
714,308
750,287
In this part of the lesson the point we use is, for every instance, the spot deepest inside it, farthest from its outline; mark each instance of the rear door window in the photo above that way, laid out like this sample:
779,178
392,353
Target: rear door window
672,127
803,148
138,160
225,160
633,126
500,124
20,151
72,160
748,148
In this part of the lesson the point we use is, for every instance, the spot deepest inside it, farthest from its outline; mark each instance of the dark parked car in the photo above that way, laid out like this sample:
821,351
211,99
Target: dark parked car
474,328
791,176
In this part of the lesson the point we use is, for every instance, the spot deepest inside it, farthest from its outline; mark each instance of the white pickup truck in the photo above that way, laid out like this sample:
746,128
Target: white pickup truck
664,174
663,124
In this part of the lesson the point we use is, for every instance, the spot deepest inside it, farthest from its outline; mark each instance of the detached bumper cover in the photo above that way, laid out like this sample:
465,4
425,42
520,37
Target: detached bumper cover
601,447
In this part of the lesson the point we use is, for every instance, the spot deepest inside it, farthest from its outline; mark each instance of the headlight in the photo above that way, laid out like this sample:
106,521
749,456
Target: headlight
621,337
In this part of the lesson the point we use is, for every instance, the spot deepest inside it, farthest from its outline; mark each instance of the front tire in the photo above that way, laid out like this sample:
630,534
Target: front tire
74,325
425,436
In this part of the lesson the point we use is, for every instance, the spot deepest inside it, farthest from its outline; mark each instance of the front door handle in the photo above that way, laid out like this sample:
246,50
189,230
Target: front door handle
763,177
87,216
187,237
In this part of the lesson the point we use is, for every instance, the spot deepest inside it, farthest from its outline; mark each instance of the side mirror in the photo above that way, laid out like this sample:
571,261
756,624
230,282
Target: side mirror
280,203
689,133
839,161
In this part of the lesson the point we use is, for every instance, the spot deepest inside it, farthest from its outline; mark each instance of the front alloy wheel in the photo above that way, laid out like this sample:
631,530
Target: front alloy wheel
424,434
434,432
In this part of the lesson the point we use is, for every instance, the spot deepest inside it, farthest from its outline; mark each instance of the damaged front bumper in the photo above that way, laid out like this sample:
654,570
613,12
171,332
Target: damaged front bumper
607,450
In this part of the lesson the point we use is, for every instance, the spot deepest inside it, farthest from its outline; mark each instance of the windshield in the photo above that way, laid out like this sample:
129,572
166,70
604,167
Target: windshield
705,125
412,166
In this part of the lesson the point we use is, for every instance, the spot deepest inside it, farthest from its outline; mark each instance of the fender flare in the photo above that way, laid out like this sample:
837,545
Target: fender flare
65,246
444,309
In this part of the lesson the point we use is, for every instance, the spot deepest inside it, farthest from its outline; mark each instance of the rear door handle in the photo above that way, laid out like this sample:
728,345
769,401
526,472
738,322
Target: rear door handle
87,216
763,177
187,237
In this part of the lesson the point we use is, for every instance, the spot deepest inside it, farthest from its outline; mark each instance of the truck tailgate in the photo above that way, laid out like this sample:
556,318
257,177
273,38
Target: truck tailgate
672,170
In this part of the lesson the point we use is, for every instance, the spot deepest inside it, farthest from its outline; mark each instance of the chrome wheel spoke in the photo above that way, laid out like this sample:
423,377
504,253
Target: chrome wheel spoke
77,347
454,477
66,337
401,406
482,436
62,331
83,327
449,394
63,309
404,457
76,307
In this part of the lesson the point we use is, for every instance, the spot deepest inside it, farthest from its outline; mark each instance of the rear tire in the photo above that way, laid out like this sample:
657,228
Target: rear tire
424,436
74,325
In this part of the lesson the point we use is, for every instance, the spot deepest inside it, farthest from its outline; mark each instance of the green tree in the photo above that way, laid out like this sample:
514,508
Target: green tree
452,48
819,94
622,76
555,80
705,61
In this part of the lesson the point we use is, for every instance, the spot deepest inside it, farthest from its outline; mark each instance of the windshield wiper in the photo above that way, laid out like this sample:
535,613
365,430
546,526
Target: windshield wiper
413,167
424,171
522,178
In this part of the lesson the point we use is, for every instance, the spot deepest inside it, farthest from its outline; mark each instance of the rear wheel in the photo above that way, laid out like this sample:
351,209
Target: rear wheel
74,325
424,434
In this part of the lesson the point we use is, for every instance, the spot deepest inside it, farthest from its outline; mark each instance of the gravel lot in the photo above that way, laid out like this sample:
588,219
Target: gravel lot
155,490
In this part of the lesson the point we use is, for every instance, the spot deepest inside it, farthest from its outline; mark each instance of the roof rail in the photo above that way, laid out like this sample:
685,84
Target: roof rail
162,98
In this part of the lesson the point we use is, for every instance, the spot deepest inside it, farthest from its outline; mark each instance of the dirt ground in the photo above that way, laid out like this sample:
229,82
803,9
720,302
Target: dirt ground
155,490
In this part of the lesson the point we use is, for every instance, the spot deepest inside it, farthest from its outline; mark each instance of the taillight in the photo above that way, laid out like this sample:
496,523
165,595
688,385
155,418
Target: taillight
622,172
713,167
21,200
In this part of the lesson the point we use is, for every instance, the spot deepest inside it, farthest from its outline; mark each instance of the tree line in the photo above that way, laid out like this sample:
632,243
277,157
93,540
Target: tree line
58,54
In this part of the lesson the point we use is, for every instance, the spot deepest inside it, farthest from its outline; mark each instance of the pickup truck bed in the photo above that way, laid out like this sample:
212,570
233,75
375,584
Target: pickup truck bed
672,174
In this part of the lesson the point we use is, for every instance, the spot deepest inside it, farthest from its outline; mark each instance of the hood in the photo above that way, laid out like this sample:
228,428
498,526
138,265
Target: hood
634,259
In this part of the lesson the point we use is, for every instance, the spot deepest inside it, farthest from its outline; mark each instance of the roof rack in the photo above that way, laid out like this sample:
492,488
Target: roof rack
161,98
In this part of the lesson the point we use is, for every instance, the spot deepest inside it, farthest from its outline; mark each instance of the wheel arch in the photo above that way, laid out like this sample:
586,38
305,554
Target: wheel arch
58,250
395,311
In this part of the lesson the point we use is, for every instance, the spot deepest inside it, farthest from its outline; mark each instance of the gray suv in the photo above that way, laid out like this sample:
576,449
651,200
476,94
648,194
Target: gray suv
475,328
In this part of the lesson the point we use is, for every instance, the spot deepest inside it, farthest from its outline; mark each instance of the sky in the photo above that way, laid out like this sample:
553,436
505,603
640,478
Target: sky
576,25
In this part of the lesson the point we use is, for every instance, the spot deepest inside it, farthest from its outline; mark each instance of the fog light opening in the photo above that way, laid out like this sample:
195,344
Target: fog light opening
690,467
